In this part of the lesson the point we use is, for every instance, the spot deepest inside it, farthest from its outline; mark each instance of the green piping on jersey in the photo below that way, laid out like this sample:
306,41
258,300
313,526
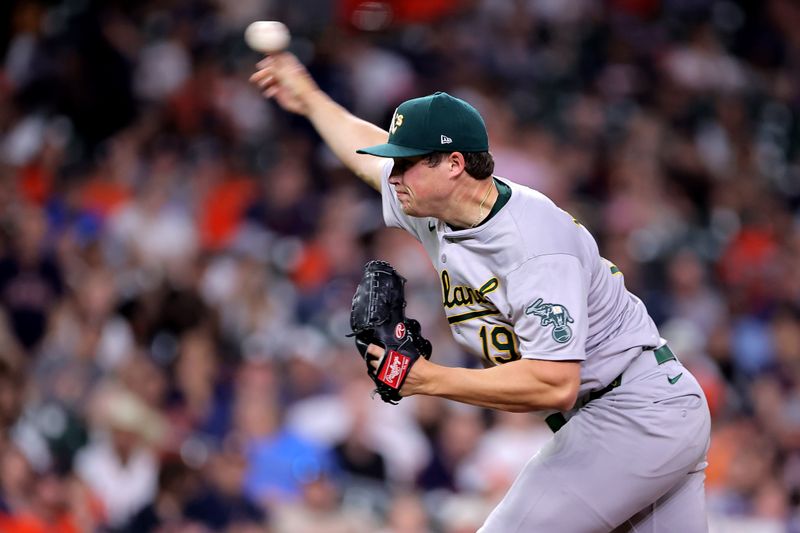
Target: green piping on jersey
503,196
455,319
615,271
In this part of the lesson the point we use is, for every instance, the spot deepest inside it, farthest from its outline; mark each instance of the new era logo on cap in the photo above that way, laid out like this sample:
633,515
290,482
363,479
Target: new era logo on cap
446,139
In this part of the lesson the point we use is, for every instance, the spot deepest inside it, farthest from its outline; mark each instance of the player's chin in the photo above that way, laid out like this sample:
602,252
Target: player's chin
413,212
408,207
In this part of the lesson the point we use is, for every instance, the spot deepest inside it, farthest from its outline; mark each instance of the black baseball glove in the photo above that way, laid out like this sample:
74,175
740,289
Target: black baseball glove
378,317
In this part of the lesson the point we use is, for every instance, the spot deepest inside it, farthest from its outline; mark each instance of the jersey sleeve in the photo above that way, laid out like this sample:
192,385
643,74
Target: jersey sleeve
548,298
393,215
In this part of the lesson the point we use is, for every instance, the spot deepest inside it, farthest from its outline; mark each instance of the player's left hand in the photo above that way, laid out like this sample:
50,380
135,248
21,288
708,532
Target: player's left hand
414,379
389,342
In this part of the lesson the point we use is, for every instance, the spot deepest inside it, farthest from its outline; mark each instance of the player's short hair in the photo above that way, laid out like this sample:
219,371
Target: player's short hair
479,165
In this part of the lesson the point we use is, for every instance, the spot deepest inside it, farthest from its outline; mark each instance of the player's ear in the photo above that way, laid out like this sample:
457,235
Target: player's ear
455,163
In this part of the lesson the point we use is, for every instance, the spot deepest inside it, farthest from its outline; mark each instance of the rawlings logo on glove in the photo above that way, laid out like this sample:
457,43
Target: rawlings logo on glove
378,317
394,371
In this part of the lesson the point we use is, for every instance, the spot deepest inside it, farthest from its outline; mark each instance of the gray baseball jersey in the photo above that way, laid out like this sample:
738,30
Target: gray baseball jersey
530,283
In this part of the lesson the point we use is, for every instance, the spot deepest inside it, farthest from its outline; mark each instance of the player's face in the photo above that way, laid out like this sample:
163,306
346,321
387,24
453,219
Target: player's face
418,185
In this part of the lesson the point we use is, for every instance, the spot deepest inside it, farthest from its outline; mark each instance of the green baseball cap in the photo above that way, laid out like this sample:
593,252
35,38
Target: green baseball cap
435,123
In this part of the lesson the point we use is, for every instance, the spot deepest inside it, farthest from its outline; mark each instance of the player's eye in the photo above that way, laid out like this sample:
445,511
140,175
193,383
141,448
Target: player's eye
401,166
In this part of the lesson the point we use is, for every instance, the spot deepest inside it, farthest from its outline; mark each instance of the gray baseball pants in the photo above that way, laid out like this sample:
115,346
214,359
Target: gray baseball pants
630,461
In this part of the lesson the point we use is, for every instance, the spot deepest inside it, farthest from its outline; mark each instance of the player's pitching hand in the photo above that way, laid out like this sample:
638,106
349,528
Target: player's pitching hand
283,78
414,380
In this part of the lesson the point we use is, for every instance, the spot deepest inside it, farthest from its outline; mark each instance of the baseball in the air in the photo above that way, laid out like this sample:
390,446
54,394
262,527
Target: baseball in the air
267,36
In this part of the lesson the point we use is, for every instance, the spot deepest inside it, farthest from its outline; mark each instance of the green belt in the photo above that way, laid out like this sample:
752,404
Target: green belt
556,421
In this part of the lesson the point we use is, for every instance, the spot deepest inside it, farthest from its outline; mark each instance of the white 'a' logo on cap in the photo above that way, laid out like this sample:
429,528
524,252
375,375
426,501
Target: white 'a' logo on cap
446,140
397,121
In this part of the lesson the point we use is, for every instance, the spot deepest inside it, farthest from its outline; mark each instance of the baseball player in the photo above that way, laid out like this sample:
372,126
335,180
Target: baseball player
525,289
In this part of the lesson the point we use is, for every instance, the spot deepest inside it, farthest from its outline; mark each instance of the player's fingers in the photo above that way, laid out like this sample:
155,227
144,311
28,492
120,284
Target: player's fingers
266,62
265,83
279,58
261,75
374,349
375,354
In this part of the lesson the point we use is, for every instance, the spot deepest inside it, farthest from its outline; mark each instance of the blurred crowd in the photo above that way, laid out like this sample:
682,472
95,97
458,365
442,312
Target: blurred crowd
177,255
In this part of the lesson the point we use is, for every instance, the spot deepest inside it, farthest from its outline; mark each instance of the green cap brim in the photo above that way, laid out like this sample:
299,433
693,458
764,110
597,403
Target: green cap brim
392,150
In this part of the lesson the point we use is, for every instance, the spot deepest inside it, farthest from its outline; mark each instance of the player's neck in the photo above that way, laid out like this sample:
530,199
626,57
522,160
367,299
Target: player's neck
472,205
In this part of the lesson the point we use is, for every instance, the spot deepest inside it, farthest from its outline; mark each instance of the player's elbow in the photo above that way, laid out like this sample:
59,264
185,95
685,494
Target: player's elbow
557,397
565,395
560,381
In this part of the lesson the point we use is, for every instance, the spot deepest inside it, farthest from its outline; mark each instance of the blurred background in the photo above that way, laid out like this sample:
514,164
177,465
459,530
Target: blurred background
177,255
